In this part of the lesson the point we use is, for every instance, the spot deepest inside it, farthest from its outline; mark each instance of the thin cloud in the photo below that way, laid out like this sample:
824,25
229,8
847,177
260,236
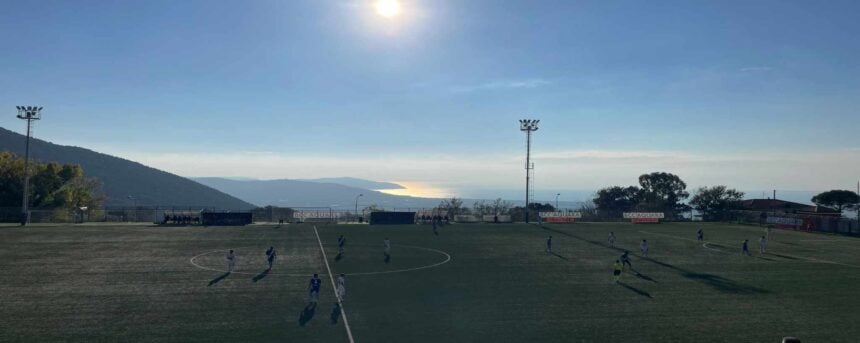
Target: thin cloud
571,169
501,85
756,69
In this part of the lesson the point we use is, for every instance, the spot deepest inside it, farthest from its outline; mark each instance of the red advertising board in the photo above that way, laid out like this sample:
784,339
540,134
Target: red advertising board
559,220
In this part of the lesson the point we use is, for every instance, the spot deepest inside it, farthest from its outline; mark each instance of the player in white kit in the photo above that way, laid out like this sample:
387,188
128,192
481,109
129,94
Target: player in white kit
341,286
231,261
644,248
386,247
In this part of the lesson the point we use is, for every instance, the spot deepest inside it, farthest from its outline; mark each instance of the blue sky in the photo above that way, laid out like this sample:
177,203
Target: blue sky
756,95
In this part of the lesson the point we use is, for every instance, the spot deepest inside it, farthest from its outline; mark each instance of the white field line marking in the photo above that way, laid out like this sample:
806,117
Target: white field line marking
705,245
334,288
447,259
810,259
671,236
233,272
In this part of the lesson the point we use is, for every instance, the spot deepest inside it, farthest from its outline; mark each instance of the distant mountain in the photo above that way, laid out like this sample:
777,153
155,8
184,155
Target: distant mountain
122,178
357,183
295,193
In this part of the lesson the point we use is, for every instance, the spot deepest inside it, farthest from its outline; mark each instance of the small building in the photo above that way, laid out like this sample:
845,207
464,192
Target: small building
782,206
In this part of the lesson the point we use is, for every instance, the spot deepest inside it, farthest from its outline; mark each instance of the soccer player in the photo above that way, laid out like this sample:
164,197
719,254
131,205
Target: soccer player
270,256
612,239
768,231
341,286
386,247
341,241
745,250
314,290
231,261
549,244
625,259
700,234
617,267
762,245
644,248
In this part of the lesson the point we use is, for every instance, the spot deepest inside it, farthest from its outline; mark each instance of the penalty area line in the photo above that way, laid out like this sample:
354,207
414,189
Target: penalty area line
334,288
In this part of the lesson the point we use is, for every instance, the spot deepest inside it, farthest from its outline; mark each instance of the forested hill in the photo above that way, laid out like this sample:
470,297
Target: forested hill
122,178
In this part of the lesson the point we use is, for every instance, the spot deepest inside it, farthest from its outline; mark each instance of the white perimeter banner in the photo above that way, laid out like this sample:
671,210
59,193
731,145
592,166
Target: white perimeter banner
650,215
504,218
560,214
466,218
784,221
316,215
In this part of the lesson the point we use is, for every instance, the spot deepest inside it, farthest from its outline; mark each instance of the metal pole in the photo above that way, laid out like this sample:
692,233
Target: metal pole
528,159
28,113
356,205
528,125
26,201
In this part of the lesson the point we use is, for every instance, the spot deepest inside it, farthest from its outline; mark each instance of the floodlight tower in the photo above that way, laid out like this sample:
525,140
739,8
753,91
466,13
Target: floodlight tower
528,126
28,113
356,204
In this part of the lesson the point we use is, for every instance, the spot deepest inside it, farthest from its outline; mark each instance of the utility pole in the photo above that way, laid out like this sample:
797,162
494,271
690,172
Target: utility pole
28,113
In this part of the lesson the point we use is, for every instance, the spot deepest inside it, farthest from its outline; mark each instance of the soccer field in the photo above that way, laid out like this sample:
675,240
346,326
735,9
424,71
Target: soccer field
469,283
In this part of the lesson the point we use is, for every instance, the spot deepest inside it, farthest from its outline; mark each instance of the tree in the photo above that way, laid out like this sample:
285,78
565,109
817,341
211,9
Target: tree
372,208
662,191
501,206
495,207
453,206
52,185
481,207
616,199
714,201
538,207
518,213
839,199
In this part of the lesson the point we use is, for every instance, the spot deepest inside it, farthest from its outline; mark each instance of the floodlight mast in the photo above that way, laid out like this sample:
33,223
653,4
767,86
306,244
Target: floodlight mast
28,113
356,204
528,126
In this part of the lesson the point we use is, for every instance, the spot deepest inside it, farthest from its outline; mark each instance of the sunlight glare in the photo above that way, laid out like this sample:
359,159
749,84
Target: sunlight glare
387,8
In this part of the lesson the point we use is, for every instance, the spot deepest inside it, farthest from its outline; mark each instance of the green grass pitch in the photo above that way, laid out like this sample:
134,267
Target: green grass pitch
137,283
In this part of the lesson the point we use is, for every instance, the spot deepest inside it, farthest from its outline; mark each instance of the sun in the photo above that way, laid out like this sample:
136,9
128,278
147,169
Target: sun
387,8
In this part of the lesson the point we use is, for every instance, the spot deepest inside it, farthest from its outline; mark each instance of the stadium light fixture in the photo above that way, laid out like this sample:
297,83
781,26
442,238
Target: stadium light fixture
528,126
28,113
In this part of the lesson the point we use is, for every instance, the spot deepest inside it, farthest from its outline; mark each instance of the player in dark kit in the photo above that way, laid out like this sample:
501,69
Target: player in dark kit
625,259
314,290
700,234
549,244
341,241
745,250
270,256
